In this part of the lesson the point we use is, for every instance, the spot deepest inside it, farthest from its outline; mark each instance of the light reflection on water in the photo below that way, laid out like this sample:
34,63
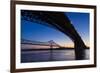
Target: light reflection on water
47,55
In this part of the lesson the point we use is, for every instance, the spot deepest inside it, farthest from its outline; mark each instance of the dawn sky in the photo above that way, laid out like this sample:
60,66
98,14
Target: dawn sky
38,32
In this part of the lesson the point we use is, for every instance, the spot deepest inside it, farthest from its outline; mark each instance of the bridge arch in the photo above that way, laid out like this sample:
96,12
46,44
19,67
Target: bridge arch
59,21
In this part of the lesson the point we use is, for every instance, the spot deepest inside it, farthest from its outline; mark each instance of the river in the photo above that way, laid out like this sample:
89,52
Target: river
48,55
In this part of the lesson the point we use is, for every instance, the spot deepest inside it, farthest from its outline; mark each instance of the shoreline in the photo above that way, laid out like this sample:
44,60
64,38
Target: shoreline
49,49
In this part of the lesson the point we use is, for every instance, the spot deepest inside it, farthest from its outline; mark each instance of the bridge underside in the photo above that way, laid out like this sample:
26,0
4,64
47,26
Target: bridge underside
59,21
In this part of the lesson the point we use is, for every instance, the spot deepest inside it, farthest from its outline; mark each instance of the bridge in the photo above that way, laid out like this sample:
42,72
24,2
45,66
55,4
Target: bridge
50,43
58,21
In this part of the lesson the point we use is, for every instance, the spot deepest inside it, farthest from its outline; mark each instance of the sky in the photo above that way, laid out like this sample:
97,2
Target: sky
81,24
37,32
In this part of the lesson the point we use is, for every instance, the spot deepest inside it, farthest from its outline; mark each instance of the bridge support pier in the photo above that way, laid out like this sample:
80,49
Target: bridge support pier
79,50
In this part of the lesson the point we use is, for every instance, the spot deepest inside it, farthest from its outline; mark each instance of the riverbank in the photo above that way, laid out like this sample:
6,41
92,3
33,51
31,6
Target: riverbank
49,49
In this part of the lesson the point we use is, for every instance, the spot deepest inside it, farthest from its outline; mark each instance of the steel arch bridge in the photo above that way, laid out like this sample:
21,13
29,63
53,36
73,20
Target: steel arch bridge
50,43
58,21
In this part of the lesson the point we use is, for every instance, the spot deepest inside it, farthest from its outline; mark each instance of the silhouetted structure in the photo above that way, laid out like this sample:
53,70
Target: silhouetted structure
50,43
59,21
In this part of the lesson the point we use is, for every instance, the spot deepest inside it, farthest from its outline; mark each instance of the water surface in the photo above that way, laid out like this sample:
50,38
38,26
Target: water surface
49,55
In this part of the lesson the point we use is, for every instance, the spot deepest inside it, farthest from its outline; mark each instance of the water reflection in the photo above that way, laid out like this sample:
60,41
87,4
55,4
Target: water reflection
48,55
